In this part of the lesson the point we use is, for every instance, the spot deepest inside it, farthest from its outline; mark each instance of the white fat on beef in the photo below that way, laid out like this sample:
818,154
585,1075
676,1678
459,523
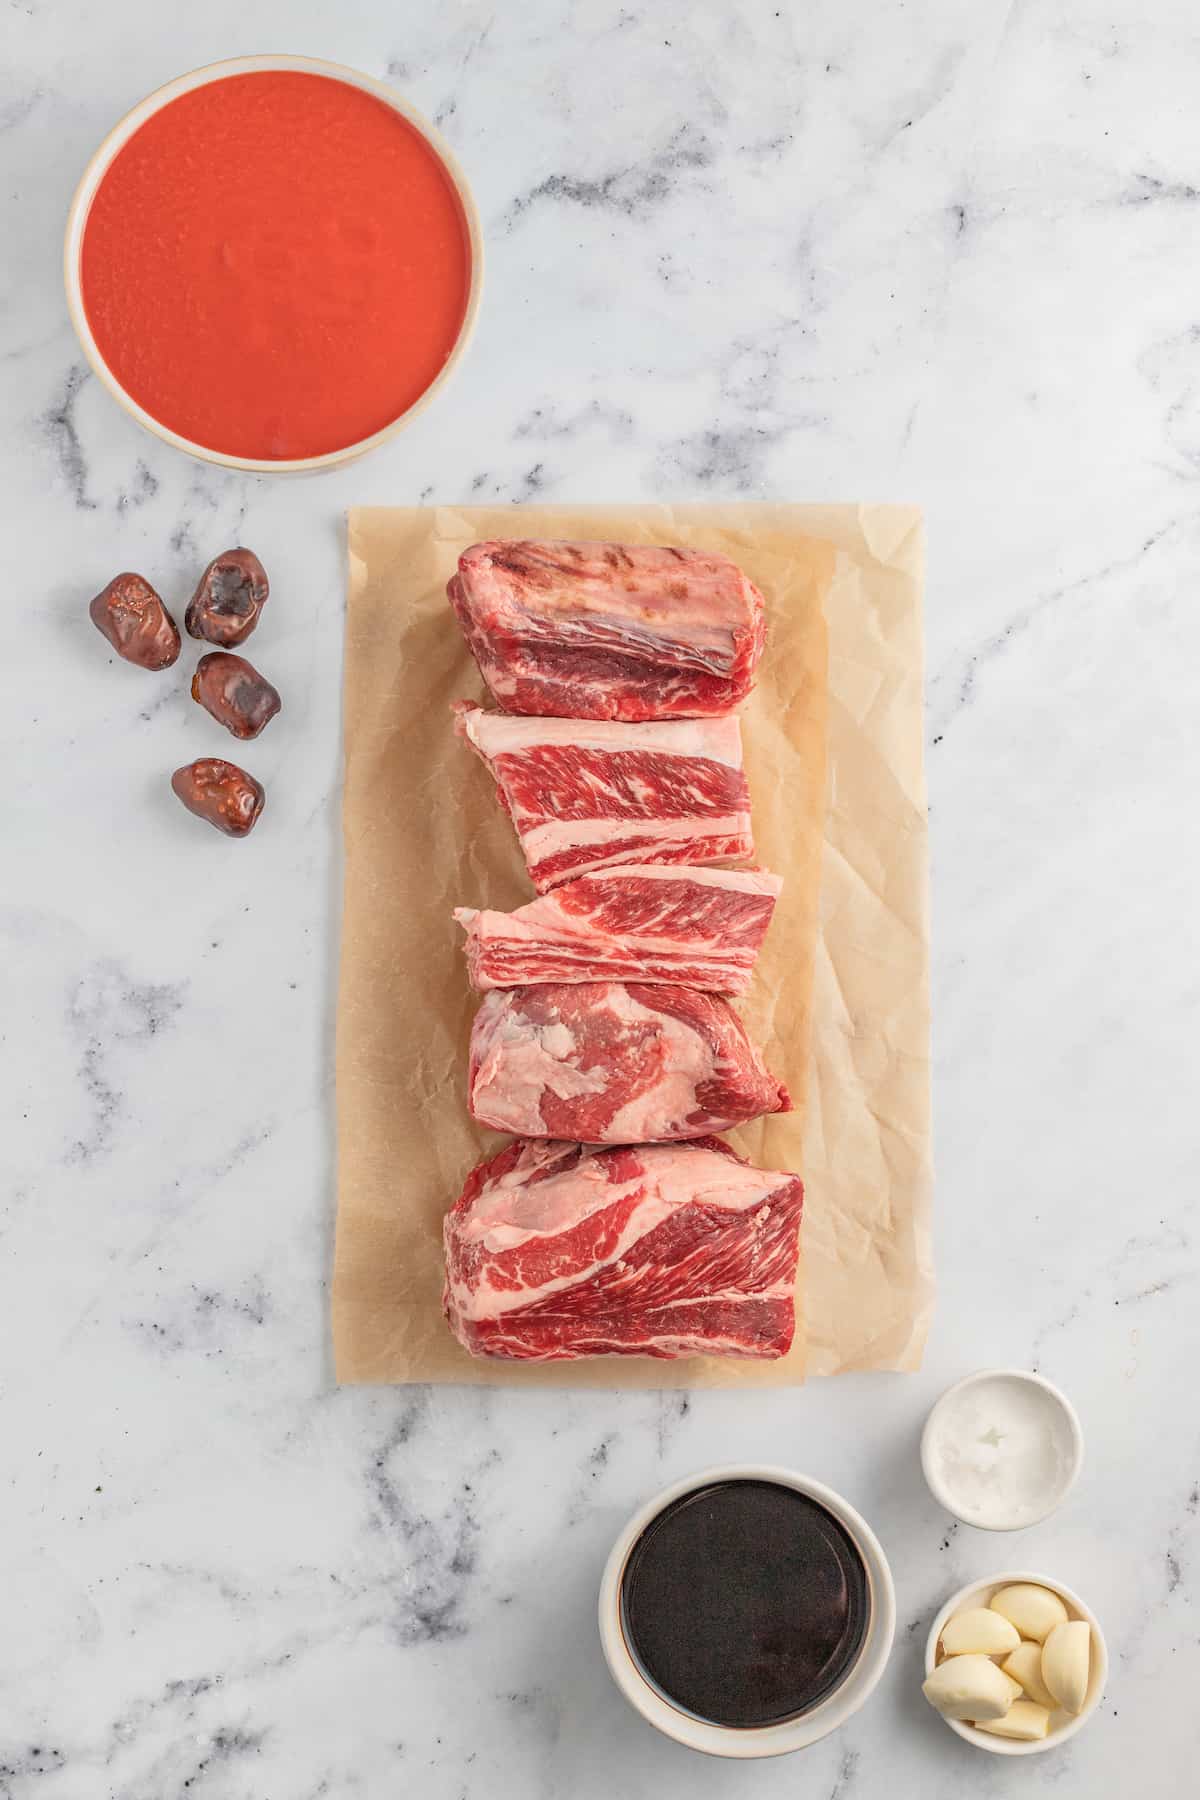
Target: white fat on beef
513,1063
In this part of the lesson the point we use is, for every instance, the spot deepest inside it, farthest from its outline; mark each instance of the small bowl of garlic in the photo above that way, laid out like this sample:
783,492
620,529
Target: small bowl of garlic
1015,1664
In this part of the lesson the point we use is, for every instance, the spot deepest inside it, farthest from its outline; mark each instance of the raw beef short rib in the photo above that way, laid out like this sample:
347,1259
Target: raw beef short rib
609,631
589,796
602,1062
555,1251
700,928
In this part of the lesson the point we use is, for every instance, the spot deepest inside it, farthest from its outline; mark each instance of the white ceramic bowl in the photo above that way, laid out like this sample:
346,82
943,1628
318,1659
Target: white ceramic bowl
1062,1724
120,134
767,1740
1071,1432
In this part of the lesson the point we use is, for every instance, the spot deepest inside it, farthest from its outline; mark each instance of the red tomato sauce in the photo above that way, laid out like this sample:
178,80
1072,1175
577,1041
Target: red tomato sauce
275,265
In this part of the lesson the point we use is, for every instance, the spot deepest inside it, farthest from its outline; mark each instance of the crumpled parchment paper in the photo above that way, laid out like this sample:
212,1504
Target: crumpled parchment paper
833,736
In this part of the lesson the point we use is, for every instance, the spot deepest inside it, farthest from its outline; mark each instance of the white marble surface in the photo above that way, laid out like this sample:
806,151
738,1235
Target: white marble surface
946,251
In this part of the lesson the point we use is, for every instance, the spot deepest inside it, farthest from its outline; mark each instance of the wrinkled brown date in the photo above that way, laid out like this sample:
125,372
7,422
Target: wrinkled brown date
136,623
221,793
225,606
234,692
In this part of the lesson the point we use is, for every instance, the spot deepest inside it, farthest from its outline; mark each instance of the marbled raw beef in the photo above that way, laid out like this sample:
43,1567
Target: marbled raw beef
609,631
585,796
557,1251
607,1062
699,928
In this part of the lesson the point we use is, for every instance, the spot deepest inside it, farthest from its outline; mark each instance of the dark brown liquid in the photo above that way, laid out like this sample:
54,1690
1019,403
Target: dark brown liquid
745,1603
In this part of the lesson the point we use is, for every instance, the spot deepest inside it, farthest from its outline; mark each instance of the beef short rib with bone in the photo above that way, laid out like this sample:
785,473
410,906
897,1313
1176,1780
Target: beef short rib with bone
605,1062
700,928
556,1251
586,797
609,631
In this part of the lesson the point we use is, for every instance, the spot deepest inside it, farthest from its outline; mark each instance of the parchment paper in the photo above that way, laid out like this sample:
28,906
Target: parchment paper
840,998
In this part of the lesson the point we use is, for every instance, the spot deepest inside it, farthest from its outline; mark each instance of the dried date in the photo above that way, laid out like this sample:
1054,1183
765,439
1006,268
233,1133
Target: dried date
222,793
228,599
234,692
131,615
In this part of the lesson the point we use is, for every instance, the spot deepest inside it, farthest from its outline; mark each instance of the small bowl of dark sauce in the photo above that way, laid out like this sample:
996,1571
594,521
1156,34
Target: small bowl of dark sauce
747,1611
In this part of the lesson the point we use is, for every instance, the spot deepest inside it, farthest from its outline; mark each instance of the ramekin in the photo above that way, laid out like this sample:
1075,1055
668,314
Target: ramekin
978,1593
119,136
945,1497
767,1740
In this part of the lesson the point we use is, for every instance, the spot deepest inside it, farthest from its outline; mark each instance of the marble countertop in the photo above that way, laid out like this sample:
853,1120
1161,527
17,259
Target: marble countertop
945,251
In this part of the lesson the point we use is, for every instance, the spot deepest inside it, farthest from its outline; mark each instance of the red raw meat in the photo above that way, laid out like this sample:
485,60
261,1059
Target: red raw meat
589,796
609,631
608,1063
556,1251
700,928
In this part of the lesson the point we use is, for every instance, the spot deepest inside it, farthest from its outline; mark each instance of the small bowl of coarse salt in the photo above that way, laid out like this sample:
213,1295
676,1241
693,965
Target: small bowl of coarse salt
1001,1449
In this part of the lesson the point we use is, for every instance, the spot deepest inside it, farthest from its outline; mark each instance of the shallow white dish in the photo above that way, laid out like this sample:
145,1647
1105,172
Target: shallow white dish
119,136
768,1740
978,1594
1058,1407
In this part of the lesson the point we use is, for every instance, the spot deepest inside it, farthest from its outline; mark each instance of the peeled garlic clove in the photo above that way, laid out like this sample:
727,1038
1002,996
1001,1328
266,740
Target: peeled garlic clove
1025,1666
1066,1657
1035,1611
970,1687
979,1630
1022,1720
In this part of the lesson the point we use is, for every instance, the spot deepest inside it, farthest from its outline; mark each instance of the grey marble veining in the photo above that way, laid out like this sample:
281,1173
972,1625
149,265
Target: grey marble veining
947,252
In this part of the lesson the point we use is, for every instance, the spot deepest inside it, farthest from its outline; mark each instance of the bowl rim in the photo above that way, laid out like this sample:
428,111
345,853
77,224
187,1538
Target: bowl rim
934,1481
743,1743
986,1740
118,136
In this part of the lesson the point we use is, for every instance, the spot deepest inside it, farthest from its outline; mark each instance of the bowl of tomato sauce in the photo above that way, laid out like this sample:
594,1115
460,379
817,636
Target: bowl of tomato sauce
274,263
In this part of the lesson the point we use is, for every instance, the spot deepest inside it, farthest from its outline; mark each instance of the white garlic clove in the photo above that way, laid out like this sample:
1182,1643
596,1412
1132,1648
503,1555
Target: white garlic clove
1022,1720
1066,1660
1034,1610
980,1630
970,1687
1025,1666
